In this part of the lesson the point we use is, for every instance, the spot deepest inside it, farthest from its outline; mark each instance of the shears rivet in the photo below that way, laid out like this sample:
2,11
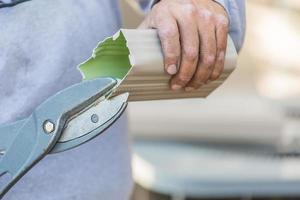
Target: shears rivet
49,126
2,152
94,118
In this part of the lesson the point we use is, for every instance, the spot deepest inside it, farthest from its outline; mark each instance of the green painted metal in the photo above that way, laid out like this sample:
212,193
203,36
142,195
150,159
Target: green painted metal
109,59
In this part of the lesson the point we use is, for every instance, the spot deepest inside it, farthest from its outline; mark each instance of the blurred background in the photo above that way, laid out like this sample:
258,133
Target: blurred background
243,141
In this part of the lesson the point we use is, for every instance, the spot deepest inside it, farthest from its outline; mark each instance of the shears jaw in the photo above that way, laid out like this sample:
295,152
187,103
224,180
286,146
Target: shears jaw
92,122
37,135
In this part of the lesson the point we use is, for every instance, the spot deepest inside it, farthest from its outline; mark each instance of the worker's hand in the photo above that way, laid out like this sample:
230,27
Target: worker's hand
193,35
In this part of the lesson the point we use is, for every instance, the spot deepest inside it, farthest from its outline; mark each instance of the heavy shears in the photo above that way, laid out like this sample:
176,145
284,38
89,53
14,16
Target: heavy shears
67,119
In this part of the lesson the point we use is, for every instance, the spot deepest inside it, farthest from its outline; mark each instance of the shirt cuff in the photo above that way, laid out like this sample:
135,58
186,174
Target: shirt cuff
150,5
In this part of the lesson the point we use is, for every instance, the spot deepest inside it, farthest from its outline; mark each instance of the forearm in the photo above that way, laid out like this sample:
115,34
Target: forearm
237,18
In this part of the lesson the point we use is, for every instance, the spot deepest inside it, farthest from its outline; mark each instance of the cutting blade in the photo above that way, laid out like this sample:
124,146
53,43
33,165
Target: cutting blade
91,122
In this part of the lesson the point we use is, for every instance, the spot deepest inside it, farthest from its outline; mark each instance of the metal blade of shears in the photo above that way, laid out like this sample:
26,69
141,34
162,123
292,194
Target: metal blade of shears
91,122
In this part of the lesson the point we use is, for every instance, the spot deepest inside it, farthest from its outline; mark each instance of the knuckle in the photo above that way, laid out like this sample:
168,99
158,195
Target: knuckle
215,75
168,32
171,57
203,74
190,10
209,60
190,53
221,57
222,21
184,78
206,15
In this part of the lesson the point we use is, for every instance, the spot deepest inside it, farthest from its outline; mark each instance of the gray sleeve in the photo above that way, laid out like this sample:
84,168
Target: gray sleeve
237,17
146,5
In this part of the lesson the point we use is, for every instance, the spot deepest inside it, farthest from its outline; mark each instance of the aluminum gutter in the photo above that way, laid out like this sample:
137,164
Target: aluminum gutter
145,78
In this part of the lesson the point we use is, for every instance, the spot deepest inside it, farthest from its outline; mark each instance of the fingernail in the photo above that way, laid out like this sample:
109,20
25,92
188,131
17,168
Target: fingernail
176,87
172,69
189,89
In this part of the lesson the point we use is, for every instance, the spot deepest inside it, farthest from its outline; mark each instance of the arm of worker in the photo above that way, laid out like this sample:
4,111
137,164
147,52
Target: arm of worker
193,35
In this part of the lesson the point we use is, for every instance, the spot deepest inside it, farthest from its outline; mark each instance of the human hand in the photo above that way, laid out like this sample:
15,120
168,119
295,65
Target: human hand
193,36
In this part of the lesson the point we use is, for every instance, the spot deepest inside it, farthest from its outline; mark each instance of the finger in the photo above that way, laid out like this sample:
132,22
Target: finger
168,33
207,60
221,36
169,36
189,39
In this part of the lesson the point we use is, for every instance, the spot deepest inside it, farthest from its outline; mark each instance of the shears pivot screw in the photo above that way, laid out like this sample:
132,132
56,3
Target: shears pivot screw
94,118
2,152
48,126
